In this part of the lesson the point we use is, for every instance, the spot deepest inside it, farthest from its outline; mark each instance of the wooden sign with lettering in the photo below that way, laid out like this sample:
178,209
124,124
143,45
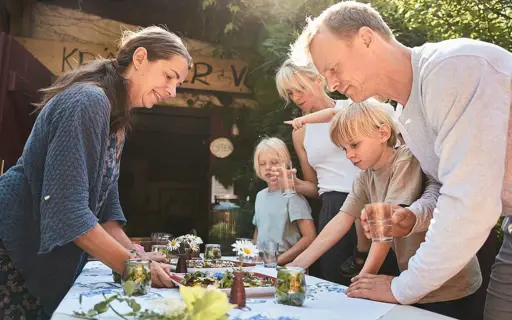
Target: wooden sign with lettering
206,74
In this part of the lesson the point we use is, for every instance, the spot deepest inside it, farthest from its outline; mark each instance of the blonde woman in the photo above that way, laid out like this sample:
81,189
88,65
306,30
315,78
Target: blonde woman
280,220
327,172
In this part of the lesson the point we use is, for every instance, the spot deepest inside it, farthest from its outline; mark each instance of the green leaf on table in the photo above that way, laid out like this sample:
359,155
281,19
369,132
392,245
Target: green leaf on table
110,299
101,307
134,305
129,287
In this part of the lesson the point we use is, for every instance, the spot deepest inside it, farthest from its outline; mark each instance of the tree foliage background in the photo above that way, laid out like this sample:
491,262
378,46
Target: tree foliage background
260,31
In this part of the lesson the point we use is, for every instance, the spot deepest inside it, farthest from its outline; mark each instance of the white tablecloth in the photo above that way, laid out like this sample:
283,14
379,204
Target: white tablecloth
325,300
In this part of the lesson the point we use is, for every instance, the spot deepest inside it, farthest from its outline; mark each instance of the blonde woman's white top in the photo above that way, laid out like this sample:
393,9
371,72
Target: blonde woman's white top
333,170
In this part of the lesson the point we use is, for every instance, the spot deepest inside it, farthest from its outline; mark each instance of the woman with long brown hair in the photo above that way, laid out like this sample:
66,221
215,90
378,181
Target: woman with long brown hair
60,202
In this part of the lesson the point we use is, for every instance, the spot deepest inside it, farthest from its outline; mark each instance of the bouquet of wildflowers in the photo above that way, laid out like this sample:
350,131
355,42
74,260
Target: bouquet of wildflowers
185,244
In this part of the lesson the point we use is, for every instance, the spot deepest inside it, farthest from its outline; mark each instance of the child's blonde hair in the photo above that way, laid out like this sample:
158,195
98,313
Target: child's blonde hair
270,145
361,119
300,78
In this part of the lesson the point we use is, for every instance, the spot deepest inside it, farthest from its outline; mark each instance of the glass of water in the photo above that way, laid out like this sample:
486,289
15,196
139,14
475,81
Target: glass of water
379,221
269,250
286,179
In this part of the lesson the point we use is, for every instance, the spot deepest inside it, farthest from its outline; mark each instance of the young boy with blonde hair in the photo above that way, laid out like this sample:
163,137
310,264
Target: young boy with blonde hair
281,220
368,135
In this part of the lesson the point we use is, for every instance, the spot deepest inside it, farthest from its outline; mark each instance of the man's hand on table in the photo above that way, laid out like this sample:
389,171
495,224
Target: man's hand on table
160,275
403,221
372,287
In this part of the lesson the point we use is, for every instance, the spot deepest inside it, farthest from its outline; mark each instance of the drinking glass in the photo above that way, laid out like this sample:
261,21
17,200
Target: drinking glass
379,221
286,179
160,237
269,250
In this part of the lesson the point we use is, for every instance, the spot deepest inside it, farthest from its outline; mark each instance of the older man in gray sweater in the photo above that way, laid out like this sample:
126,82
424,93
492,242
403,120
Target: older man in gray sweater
456,98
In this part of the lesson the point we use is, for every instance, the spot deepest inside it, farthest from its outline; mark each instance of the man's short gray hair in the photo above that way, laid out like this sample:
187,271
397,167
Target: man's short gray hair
344,20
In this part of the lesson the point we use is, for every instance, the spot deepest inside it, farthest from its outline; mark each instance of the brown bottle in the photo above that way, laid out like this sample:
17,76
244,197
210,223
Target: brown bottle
181,266
237,295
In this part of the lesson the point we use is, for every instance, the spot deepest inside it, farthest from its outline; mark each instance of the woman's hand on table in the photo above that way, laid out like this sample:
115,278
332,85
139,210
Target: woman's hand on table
160,276
153,256
372,287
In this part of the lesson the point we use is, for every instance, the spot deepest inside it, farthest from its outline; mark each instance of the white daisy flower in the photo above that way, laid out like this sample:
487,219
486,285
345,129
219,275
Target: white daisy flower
174,244
194,246
198,240
245,248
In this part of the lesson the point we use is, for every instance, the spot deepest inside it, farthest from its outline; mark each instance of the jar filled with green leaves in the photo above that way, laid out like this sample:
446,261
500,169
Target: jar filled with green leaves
212,252
163,249
291,286
137,277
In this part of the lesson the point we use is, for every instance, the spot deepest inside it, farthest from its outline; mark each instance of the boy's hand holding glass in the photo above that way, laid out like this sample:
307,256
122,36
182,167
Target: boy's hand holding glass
402,219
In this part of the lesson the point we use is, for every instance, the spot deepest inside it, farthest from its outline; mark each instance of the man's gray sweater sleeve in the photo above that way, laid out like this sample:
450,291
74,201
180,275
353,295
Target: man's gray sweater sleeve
423,208
467,103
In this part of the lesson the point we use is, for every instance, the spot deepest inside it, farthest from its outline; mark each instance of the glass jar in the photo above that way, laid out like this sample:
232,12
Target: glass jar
212,252
224,227
162,249
116,276
291,286
137,277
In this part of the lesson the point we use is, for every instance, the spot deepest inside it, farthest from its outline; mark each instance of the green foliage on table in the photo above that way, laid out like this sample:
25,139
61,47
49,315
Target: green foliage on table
205,279
103,306
198,304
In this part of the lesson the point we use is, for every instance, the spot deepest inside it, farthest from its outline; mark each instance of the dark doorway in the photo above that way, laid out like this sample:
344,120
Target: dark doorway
21,76
164,184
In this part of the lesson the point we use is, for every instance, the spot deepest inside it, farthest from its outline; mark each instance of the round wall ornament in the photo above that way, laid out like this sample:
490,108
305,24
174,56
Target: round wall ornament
221,147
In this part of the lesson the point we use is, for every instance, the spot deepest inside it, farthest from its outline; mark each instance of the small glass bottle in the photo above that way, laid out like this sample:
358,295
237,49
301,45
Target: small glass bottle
291,286
137,277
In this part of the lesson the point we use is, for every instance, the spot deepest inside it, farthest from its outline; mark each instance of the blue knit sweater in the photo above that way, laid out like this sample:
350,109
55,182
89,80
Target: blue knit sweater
50,197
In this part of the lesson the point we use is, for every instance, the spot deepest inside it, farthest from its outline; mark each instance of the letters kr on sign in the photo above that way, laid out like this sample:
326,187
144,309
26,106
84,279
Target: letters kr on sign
206,74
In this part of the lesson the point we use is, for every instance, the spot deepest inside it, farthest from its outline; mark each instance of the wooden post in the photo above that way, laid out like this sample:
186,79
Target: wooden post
20,13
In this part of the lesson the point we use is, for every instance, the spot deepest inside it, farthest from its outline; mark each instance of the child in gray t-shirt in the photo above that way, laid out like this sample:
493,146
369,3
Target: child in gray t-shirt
280,220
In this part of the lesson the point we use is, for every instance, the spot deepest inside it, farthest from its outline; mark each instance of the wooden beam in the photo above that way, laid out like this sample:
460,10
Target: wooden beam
208,73
175,14
20,16
4,17
15,8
